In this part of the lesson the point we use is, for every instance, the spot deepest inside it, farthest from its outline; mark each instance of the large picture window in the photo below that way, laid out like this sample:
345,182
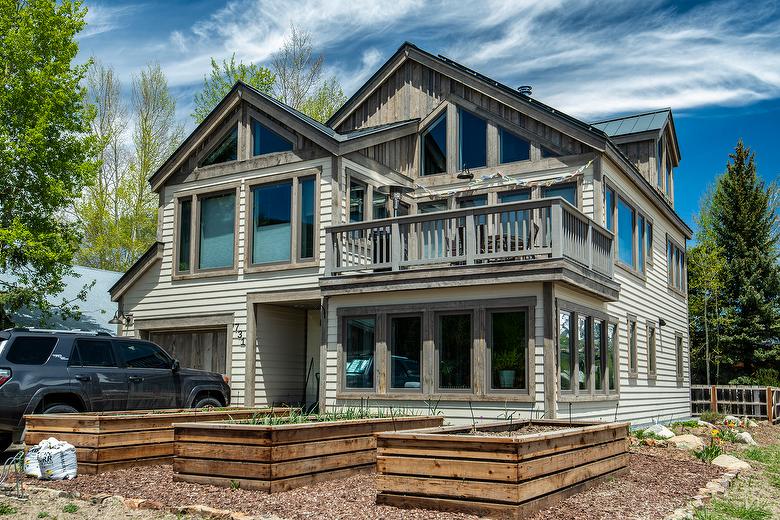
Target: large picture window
265,140
454,351
217,231
472,140
633,229
508,344
626,221
434,147
359,348
405,352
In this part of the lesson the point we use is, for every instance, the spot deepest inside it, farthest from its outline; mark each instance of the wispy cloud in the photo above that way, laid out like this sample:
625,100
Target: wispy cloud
589,58
102,18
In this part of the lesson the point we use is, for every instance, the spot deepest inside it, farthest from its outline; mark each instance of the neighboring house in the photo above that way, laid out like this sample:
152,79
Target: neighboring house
96,310
537,263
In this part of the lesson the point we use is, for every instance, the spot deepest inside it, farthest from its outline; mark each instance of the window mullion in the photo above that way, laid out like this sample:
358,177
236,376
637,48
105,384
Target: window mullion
294,220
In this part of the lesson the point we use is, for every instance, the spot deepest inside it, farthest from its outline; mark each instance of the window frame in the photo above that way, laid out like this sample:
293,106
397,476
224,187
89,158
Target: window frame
119,341
437,116
671,278
459,140
577,311
652,350
295,262
342,354
632,342
489,312
270,125
470,312
679,354
196,196
389,355
639,214
503,129
75,349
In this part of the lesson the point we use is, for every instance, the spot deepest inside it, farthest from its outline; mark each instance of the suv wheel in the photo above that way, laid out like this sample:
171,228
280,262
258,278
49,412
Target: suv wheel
207,402
5,441
59,408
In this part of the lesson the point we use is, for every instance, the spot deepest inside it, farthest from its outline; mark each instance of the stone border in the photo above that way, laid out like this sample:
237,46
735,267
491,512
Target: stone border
143,503
716,487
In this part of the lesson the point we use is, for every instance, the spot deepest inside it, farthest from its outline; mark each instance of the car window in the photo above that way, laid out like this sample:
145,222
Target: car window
92,353
30,350
138,354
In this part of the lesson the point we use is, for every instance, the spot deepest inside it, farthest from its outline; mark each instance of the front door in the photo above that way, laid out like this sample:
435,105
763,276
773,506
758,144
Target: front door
150,376
93,367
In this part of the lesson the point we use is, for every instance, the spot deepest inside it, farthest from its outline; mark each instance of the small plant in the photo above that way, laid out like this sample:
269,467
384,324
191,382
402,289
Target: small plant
729,435
235,485
711,417
70,507
5,509
686,424
712,451
644,434
43,514
720,508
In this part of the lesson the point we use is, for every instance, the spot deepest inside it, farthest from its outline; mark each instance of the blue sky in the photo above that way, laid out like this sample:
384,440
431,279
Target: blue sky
717,64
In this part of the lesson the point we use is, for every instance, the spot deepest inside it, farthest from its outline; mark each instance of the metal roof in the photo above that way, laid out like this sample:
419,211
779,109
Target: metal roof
634,124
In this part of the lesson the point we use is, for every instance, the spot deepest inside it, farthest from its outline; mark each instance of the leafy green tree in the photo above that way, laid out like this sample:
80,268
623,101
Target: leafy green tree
744,223
100,208
325,101
222,79
47,152
155,137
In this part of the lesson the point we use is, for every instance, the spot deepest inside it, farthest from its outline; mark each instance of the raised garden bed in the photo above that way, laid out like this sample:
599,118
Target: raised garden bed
279,457
496,470
108,441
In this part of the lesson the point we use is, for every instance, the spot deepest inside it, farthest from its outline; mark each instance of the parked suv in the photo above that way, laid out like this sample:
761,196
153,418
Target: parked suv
65,372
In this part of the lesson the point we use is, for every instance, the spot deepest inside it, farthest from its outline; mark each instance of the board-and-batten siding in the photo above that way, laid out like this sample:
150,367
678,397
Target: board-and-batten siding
155,295
414,91
455,411
642,154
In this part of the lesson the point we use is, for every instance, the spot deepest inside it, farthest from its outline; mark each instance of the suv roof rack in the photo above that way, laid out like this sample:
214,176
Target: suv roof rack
61,331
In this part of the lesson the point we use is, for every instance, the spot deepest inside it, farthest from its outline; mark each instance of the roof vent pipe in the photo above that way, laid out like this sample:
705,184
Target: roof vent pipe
525,90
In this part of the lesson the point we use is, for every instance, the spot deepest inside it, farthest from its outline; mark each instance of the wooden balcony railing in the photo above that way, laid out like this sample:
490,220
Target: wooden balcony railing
518,231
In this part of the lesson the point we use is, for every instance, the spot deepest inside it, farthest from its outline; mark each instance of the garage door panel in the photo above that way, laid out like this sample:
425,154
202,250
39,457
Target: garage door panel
199,349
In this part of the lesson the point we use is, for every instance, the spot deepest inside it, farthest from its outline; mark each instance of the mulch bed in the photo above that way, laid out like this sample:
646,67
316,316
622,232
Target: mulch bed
519,432
654,486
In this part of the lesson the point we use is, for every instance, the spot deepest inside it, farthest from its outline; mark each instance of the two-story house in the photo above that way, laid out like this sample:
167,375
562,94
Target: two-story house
444,243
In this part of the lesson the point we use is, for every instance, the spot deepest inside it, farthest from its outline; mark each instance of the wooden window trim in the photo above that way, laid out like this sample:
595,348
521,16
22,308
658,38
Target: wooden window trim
529,349
197,196
591,394
295,261
429,369
679,355
620,194
652,347
633,350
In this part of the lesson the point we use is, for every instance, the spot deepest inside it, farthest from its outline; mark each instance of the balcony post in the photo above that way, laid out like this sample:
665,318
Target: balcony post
589,246
471,239
330,253
556,231
395,246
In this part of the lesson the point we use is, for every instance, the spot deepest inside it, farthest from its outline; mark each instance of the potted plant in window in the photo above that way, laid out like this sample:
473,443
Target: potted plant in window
446,373
506,363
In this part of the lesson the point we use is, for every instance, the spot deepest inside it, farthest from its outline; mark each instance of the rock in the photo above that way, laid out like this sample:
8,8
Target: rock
731,463
750,423
705,423
654,442
686,442
746,438
661,431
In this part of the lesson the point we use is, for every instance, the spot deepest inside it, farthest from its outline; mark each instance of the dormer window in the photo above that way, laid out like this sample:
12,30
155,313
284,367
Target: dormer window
512,147
472,141
265,140
226,150
434,147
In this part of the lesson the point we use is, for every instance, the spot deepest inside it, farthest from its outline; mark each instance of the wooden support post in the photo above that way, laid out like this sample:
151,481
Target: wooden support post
770,405
714,399
395,246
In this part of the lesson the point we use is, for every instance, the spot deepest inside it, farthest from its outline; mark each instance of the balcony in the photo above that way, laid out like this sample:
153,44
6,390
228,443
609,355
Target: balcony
540,239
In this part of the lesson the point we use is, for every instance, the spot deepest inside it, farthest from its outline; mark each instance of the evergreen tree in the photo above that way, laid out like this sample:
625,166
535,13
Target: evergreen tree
744,218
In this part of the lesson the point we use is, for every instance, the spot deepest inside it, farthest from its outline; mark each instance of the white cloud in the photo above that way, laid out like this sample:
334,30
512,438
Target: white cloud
101,18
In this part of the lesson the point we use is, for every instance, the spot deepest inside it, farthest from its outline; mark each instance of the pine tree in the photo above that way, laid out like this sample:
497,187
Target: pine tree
744,212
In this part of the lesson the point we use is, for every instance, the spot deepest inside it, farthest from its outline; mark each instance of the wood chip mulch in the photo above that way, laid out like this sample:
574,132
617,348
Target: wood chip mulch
653,487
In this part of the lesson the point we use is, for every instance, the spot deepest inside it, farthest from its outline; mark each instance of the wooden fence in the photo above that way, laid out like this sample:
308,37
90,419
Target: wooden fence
757,402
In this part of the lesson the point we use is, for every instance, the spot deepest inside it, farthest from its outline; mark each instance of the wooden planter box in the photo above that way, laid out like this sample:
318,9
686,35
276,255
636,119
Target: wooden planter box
108,441
443,469
281,457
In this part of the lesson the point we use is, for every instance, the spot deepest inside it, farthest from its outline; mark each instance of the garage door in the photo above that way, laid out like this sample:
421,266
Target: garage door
200,349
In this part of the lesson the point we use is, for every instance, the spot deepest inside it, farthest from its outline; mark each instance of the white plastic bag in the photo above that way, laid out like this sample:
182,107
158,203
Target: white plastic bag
57,460
31,466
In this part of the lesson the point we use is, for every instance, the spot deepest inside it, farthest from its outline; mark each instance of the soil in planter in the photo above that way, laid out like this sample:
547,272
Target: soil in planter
522,431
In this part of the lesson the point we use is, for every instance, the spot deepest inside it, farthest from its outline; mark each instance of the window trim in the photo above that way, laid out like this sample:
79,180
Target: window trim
577,310
670,278
436,116
679,354
620,194
196,196
633,346
389,355
652,348
429,369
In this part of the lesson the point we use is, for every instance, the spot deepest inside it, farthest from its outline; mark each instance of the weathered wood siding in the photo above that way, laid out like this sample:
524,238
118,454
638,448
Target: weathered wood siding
643,155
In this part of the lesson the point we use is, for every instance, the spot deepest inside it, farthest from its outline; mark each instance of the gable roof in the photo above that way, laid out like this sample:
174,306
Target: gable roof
321,134
635,123
147,260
